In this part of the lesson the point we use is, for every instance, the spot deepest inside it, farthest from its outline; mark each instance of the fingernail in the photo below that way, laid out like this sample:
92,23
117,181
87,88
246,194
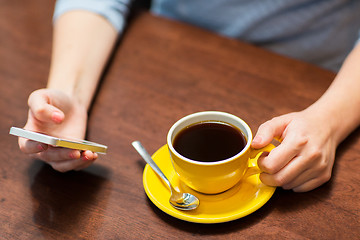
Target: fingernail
73,155
257,139
57,117
41,147
86,158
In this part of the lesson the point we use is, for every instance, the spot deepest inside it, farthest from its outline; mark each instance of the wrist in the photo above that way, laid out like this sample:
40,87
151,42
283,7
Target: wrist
331,118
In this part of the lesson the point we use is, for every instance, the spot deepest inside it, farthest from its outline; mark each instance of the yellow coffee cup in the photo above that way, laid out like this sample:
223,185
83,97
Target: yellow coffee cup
213,176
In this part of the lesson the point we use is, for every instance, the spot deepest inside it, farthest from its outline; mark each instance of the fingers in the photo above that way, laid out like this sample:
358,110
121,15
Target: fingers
305,157
309,169
269,130
279,157
29,147
309,179
286,175
47,109
87,160
291,159
40,106
63,159
311,184
56,154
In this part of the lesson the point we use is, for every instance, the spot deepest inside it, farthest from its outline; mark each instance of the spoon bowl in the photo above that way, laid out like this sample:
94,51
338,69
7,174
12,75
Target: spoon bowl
179,200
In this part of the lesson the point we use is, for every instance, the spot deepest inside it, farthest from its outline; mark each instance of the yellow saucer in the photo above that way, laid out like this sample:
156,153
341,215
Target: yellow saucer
244,198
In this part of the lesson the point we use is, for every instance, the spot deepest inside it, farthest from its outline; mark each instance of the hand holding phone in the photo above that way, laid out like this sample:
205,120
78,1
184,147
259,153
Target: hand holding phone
58,142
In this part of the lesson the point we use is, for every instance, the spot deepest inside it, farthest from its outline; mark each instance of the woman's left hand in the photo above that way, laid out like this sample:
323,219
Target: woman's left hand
305,157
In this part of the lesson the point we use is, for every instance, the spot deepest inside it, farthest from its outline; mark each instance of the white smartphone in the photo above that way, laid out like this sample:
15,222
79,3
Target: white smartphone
58,142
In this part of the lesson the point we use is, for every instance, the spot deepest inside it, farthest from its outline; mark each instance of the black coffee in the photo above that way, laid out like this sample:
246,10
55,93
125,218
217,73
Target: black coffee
209,141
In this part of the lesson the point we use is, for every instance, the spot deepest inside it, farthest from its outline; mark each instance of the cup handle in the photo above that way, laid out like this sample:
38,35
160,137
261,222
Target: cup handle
254,154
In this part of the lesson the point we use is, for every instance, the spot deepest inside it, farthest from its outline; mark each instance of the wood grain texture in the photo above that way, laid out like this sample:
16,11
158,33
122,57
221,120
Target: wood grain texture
161,71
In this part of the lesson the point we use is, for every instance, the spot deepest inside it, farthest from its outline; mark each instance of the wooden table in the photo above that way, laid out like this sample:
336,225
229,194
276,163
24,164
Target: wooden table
161,71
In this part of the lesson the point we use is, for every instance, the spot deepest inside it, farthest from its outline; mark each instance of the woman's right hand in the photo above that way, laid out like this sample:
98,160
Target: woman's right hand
58,114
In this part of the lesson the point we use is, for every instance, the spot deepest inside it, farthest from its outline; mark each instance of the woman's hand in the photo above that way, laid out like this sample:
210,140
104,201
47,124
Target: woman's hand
305,157
56,113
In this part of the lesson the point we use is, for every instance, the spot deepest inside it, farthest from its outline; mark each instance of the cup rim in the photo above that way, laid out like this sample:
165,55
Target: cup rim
196,114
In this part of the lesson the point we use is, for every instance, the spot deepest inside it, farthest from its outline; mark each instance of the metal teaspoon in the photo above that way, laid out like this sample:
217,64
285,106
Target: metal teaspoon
181,201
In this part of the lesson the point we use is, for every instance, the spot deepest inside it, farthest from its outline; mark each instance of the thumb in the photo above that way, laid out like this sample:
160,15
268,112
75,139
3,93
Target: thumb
269,130
40,106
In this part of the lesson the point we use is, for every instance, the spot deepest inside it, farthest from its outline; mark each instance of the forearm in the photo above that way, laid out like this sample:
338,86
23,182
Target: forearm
82,43
340,104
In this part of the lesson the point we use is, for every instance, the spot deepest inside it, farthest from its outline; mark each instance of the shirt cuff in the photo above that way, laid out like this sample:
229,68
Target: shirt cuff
115,11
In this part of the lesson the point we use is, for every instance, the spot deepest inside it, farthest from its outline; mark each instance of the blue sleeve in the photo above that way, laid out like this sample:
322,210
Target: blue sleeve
115,11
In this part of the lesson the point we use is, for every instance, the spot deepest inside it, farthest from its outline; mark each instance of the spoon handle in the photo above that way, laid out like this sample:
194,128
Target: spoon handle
146,156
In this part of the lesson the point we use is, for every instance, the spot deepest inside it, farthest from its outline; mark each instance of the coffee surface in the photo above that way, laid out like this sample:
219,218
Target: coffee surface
209,141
